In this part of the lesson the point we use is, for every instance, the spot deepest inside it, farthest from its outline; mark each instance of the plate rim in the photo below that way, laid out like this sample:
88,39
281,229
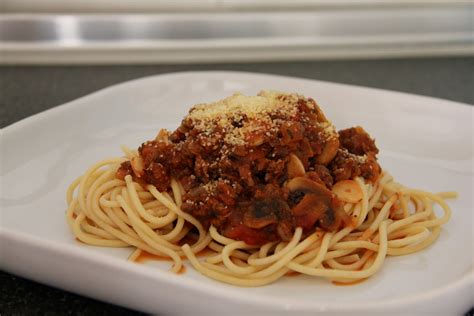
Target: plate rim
101,260
463,283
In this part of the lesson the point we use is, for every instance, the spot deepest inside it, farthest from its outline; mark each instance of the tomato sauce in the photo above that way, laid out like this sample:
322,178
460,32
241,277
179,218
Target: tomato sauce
233,159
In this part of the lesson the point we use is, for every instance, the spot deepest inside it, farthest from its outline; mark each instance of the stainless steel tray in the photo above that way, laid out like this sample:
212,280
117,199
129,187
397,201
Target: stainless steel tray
220,36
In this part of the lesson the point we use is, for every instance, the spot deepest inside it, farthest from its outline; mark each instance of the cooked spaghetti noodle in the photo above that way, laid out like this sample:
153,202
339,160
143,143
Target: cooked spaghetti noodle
385,219
390,220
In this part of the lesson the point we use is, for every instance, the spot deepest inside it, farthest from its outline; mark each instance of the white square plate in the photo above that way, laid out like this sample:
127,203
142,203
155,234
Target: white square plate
425,143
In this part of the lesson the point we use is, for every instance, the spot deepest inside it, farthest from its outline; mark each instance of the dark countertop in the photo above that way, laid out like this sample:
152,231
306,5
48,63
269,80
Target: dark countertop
27,90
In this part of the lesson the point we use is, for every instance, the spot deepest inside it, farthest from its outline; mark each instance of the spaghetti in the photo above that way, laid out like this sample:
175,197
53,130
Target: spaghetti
380,218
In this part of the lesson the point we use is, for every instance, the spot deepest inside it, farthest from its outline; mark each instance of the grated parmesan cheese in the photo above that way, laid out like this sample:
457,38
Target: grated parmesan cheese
240,116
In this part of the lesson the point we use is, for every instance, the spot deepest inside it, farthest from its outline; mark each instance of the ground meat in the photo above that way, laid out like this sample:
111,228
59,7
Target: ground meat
348,166
124,170
157,175
370,170
356,157
241,187
321,174
357,141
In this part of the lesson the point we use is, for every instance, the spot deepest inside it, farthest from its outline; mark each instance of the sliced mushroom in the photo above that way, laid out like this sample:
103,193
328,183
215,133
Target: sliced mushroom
255,139
252,221
320,114
309,211
295,167
163,136
270,211
329,151
306,186
317,204
264,212
246,174
285,230
308,202
137,166
329,221
348,191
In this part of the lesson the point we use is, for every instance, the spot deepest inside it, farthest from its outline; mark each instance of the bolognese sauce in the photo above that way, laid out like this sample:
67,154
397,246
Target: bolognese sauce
257,167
